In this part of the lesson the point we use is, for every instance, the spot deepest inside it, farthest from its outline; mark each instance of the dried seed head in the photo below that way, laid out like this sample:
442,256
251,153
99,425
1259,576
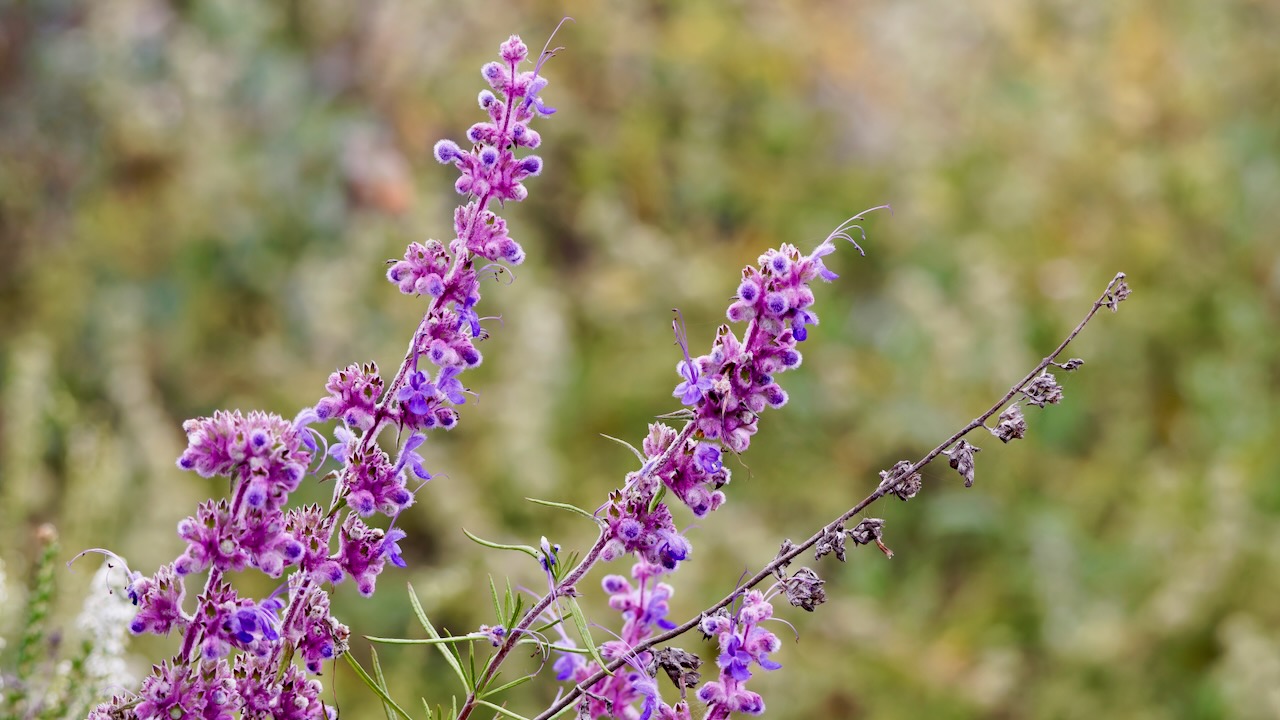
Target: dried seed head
832,542
804,589
962,460
1012,425
1118,294
679,665
870,530
897,481
1043,390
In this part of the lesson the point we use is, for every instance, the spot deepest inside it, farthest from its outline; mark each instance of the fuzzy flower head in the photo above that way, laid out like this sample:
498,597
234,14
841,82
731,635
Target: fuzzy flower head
743,643
310,527
318,636
695,474
264,451
353,395
362,553
159,600
636,525
375,485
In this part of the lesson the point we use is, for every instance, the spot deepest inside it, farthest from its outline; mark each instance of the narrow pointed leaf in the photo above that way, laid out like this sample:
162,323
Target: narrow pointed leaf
531,552
445,649
382,682
580,621
506,686
566,506
639,455
501,710
355,665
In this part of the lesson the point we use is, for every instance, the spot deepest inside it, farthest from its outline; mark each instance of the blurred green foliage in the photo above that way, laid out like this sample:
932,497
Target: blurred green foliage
196,199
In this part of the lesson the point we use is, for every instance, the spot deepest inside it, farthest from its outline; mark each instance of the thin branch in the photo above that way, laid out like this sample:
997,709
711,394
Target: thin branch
1115,292
564,586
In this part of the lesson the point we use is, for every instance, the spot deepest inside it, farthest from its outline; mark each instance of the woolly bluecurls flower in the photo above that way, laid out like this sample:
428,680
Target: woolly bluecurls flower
643,606
422,402
444,343
293,697
423,269
636,527
211,537
774,299
269,546
375,485
695,474
353,395
310,527
362,551
644,609
159,600
227,621
266,452
317,634
743,642
491,170
493,633
218,687
169,692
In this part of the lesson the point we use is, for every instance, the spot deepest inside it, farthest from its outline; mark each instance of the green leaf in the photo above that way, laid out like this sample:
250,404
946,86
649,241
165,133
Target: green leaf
502,710
382,682
531,552
423,641
639,455
497,606
445,649
580,621
566,506
507,686
355,665
543,628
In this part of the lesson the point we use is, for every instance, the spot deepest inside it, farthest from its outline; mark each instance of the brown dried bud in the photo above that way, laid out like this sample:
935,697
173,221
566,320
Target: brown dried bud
1043,390
1117,295
832,542
787,547
896,481
1012,425
870,530
1072,364
804,589
679,665
962,460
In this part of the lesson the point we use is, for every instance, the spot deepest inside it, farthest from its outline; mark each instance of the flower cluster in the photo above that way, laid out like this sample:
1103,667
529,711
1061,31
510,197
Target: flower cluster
743,642
644,608
236,653
726,390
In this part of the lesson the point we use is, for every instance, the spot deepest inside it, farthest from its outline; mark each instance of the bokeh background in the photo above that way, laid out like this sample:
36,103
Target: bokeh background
196,200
